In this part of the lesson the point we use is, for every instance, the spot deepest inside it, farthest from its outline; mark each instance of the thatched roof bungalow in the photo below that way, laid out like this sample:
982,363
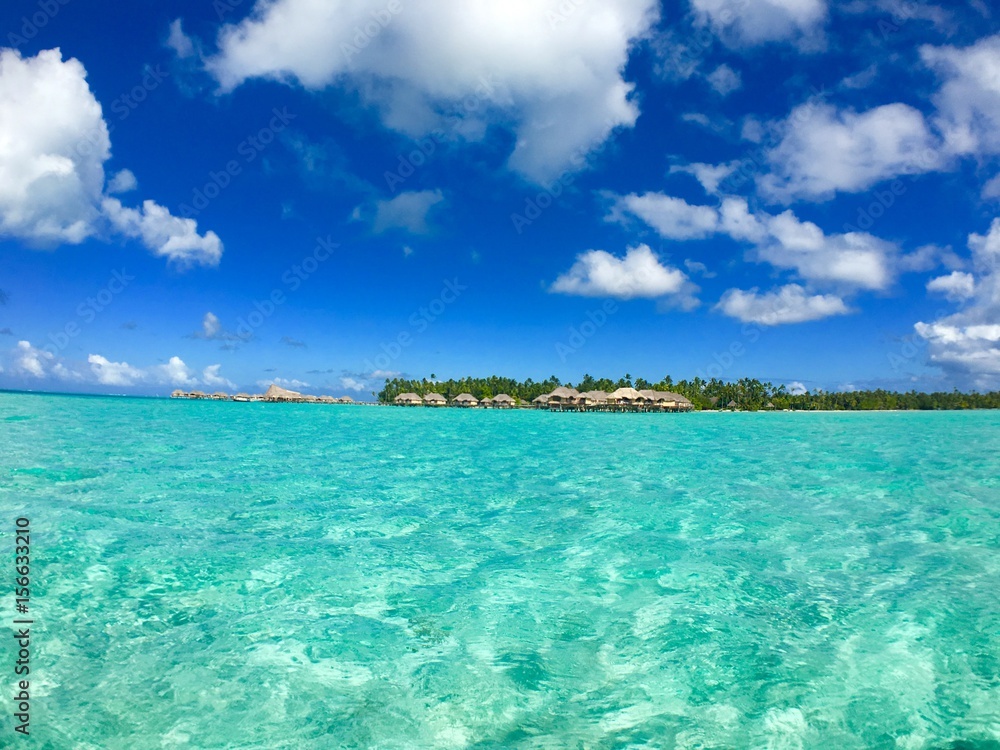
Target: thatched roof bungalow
346,400
408,399
593,398
197,394
435,399
328,400
220,396
503,401
178,394
626,397
563,395
541,401
276,393
465,400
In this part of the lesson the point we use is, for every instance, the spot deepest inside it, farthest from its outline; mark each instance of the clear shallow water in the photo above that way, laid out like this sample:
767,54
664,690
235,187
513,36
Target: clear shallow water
221,575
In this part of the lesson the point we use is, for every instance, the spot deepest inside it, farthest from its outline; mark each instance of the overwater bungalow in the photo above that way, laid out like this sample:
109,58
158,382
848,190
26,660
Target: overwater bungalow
627,398
220,396
408,399
540,402
275,393
328,400
435,399
486,402
178,394
503,401
197,394
465,400
677,402
563,397
345,400
593,399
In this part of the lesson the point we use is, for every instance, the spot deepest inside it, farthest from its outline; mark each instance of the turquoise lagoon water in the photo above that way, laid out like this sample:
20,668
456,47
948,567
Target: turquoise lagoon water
222,575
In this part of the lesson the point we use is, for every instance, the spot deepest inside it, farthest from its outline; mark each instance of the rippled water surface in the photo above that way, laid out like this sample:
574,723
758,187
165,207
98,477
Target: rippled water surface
223,575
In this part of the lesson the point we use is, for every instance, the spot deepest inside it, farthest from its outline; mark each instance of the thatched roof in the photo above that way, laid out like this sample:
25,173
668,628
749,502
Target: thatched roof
177,394
407,398
242,395
466,398
435,398
543,399
277,393
598,396
733,404
626,394
220,395
346,400
197,394
656,395
769,405
328,400
562,393
503,398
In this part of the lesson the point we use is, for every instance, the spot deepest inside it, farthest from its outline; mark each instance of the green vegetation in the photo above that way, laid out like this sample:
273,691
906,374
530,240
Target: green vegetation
748,394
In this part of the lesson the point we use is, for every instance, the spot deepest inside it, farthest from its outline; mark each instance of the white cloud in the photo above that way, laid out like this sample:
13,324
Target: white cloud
31,362
353,384
724,80
967,342
550,72
751,22
406,211
855,260
166,235
180,42
956,286
211,377
210,325
796,388
789,304
824,150
55,143
597,273
291,384
52,180
969,100
114,373
124,181
672,218
708,175
175,372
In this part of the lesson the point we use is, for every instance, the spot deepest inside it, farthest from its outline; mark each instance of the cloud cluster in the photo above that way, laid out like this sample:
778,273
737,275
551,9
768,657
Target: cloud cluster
967,343
32,363
789,304
52,179
551,71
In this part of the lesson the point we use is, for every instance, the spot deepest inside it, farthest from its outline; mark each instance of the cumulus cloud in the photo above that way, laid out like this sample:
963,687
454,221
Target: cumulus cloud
708,175
291,384
956,286
789,304
32,362
52,179
123,181
673,218
967,342
640,273
824,150
165,235
851,261
969,100
752,22
179,42
114,373
211,377
796,388
551,73
724,80
407,211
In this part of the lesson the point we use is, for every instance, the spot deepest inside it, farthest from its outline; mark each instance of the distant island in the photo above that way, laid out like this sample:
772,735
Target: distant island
624,394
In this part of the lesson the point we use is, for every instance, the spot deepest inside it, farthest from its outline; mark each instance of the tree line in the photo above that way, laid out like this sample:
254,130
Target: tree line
747,394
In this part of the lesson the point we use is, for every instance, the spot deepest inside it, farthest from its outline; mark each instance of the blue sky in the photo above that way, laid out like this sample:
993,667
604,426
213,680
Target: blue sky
322,192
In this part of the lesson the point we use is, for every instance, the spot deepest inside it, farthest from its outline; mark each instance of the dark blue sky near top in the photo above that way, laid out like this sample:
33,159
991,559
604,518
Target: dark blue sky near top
357,205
